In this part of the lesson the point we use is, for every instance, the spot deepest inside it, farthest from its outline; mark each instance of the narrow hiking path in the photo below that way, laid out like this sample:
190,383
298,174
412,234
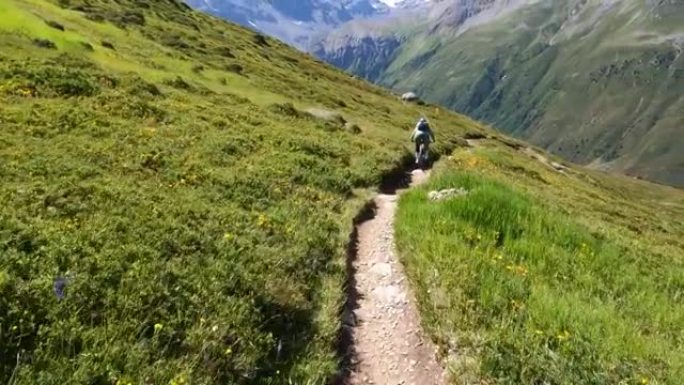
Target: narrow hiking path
386,344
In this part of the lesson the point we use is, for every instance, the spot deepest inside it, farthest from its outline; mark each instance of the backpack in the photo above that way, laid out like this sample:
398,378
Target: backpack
423,126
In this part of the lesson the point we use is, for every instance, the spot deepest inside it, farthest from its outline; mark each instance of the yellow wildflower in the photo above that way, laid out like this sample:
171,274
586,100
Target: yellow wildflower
517,305
263,220
521,270
158,327
149,131
564,335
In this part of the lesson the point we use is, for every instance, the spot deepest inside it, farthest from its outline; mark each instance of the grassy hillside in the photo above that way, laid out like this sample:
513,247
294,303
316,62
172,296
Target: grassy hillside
171,214
593,81
544,277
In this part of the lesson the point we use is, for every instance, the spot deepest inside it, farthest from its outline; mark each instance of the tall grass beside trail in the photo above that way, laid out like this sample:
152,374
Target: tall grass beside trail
517,291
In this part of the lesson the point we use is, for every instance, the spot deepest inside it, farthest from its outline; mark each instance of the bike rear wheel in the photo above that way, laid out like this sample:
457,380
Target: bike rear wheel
422,155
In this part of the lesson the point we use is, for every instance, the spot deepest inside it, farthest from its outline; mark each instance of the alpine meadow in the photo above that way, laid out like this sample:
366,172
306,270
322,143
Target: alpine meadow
160,170
547,276
178,194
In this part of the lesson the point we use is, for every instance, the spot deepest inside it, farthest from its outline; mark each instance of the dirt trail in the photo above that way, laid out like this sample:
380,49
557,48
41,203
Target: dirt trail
386,344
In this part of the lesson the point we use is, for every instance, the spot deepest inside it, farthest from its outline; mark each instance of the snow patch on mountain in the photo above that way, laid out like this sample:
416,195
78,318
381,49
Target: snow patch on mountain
391,3
302,22
403,3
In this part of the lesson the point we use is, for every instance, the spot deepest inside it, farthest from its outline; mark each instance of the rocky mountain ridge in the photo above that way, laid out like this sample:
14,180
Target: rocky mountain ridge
300,23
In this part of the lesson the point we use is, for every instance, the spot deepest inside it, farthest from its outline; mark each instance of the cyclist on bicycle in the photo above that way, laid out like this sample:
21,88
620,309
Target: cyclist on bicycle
422,135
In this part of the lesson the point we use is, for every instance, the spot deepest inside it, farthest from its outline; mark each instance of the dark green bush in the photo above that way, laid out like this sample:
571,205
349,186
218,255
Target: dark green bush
44,43
234,67
225,52
50,80
130,17
353,128
54,25
260,39
179,83
175,41
288,109
140,87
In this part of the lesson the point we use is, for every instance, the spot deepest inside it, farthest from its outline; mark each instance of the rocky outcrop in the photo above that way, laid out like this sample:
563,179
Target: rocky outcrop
409,97
367,56
295,22
447,194
368,48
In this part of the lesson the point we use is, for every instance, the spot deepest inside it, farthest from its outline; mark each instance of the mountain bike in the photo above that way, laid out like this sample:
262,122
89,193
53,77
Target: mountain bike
423,155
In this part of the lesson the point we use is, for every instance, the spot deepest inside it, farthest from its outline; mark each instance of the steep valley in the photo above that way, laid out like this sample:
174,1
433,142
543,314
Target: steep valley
598,82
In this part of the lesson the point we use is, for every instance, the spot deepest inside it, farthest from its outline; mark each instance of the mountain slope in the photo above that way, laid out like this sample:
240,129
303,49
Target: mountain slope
171,214
178,193
595,81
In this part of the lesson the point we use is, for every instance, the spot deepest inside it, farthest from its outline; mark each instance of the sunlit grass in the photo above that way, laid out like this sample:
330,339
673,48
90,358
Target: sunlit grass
520,284
195,223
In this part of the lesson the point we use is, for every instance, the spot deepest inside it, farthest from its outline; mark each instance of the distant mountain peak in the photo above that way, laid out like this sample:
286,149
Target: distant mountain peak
299,23
404,3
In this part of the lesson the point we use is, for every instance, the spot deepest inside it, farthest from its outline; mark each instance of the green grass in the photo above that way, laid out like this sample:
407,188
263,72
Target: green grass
198,215
200,223
542,277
